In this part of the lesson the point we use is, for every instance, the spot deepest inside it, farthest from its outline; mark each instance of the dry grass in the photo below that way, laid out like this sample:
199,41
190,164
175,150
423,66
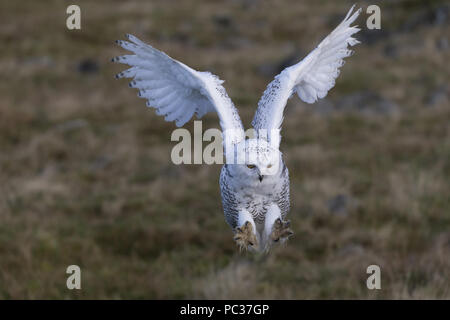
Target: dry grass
86,176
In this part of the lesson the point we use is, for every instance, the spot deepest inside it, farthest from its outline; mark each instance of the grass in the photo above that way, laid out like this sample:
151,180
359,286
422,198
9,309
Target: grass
86,176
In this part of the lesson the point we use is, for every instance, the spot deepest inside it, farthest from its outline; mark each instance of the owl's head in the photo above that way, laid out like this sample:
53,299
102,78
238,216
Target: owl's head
257,159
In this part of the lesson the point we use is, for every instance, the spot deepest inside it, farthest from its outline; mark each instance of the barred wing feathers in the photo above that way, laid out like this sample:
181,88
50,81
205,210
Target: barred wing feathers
311,78
175,90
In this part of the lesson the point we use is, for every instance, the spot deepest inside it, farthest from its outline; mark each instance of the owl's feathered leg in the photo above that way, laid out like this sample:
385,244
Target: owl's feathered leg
275,228
245,233
281,231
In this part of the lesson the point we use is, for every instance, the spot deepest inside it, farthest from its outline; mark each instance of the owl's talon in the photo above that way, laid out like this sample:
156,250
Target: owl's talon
281,230
245,237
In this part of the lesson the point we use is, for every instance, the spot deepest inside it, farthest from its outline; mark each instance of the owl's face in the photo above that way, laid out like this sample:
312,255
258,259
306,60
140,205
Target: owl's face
257,160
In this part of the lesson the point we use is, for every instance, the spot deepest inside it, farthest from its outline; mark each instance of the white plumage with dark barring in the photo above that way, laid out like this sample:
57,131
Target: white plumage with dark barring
255,192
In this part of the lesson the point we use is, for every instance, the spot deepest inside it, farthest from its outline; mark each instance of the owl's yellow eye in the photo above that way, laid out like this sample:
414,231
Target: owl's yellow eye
269,166
250,166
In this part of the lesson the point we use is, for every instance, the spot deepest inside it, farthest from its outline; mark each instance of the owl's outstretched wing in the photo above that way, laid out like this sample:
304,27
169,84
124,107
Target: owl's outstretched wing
175,90
311,78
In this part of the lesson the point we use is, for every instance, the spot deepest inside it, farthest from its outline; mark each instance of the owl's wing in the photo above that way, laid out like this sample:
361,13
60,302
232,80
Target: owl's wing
175,90
311,78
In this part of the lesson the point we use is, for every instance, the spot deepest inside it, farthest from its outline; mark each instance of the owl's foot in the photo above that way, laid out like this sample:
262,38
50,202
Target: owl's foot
245,237
281,230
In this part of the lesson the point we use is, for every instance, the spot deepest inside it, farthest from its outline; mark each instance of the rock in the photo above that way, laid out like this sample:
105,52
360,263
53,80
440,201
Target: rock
267,69
391,50
236,43
442,44
339,205
88,66
370,37
223,21
249,4
367,102
72,125
181,37
172,171
440,15
272,69
439,96
323,106
431,17
99,163
40,61
351,249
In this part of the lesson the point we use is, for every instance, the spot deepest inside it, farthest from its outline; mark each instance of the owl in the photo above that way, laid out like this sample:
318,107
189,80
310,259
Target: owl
254,181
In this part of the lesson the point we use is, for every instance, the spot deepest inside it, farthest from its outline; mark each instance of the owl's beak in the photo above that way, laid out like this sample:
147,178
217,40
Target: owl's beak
261,177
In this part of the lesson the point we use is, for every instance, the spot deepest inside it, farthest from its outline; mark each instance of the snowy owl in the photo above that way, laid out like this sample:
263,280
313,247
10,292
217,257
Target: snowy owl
254,181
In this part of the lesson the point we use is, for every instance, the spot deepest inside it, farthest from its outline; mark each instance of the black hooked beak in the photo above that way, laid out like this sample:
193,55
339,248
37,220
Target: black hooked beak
261,177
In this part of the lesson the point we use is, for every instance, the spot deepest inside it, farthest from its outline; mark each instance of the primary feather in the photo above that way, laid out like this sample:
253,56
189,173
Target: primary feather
311,78
176,91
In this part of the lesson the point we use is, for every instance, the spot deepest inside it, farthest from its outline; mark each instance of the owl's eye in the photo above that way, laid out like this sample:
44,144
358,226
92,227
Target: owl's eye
250,166
269,166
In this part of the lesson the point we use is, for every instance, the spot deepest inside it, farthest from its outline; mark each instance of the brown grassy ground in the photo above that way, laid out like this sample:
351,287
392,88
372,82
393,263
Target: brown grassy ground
86,176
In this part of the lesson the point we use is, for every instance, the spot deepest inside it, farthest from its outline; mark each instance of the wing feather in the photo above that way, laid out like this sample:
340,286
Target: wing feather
311,78
175,90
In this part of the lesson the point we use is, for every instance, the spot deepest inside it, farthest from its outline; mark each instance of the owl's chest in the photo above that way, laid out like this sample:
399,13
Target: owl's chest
256,199
254,196
256,205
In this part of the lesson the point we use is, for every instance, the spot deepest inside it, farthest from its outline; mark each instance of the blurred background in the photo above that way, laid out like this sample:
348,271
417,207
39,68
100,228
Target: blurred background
86,176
